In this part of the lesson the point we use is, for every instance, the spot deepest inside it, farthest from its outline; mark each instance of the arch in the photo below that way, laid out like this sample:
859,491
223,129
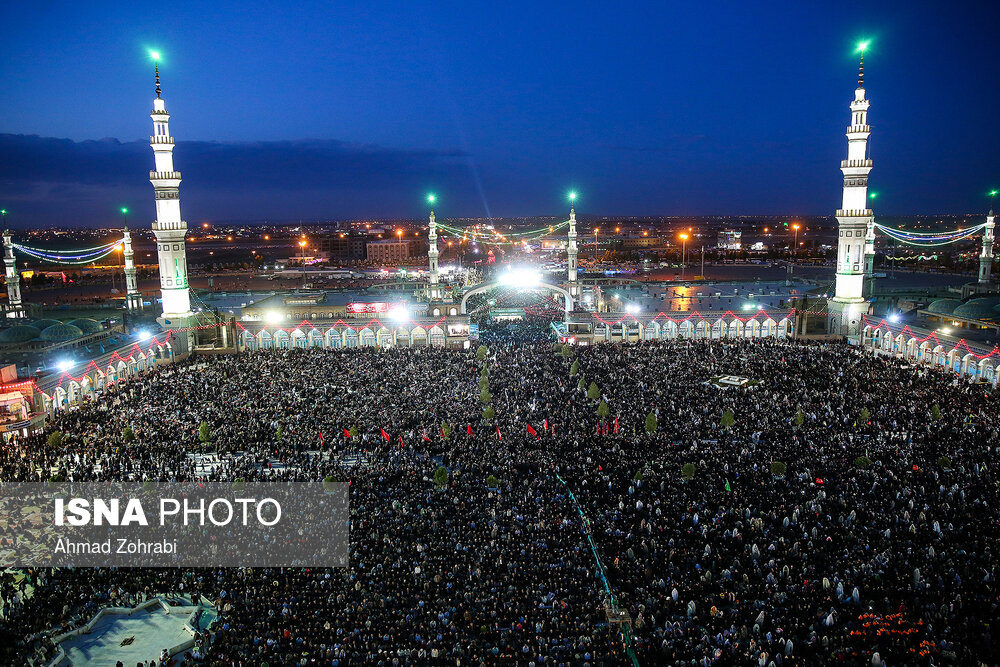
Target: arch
685,329
87,387
315,338
924,353
60,398
351,338
99,380
970,365
867,334
703,329
769,328
281,339
899,345
784,328
940,358
334,339
418,337
719,329
736,328
386,338
367,338
911,348
299,338
955,361
651,331
266,339
73,392
133,367
248,341
887,341
485,287
437,337
987,370
752,329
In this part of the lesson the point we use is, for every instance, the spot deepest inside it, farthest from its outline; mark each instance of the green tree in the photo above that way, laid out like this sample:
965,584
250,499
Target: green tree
651,422
481,352
593,391
778,468
445,430
944,463
567,351
128,435
441,477
575,368
687,471
280,432
582,384
603,410
55,439
353,431
936,412
485,396
492,482
484,383
799,418
863,417
727,420
863,462
485,373
204,435
489,413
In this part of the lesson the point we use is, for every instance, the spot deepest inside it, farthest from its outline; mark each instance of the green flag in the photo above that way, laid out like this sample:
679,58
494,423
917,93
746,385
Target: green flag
727,486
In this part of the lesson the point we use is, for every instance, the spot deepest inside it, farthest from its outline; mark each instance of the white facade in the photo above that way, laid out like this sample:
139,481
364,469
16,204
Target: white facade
133,300
571,262
433,289
170,230
856,222
13,278
986,256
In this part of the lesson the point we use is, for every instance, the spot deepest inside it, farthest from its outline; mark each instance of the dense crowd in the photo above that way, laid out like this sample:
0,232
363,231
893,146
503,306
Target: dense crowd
876,540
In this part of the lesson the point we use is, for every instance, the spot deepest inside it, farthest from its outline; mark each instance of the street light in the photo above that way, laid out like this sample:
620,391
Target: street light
684,238
795,246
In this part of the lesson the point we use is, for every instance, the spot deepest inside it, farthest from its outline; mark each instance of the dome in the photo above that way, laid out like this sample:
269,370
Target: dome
42,325
976,310
87,325
61,332
21,333
943,306
990,300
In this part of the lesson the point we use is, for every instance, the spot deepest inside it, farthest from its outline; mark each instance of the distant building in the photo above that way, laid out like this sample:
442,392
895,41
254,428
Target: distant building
388,251
639,242
345,246
730,240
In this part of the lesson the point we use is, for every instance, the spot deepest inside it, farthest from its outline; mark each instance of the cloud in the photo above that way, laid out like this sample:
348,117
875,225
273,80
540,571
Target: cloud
53,174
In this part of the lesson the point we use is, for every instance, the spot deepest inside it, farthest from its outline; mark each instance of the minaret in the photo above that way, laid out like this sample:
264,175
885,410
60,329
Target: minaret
170,230
986,257
133,300
13,278
433,290
571,252
855,245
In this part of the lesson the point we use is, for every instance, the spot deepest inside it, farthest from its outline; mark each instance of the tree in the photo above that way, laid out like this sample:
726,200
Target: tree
863,417
484,383
799,418
492,482
567,351
445,430
204,435
128,435
727,420
280,432
57,478
353,431
603,410
485,373
489,413
441,477
485,396
687,471
936,412
481,352
778,468
863,462
593,391
582,384
55,439
944,463
651,422
575,368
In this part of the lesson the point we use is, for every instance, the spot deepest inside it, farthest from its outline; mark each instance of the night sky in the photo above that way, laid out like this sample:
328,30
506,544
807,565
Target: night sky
289,110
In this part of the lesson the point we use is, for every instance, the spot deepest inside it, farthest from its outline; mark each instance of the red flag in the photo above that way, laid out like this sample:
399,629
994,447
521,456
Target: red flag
499,437
385,435
545,425
616,423
442,431
347,433
598,429
321,440
426,437
468,429
532,431
401,442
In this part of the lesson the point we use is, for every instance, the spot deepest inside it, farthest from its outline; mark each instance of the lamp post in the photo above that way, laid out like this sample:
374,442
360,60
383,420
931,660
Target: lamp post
795,244
684,238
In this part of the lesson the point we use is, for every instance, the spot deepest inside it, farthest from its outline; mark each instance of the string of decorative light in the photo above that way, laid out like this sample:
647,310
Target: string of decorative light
73,256
929,239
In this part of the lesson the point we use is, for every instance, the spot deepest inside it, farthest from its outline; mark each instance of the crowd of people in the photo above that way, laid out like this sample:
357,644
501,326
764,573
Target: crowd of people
612,478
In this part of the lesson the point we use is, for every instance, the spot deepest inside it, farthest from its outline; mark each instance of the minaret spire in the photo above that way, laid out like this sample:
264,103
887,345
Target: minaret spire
571,252
986,256
156,68
433,291
13,277
856,222
170,230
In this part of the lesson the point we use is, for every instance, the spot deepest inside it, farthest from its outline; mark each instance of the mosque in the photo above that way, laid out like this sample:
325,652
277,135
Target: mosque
84,356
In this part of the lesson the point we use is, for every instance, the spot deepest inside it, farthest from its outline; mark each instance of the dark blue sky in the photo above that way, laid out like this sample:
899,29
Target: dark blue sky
286,110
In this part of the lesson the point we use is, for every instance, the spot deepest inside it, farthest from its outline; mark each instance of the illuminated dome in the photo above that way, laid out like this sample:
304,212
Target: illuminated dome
977,309
943,306
86,325
21,333
61,332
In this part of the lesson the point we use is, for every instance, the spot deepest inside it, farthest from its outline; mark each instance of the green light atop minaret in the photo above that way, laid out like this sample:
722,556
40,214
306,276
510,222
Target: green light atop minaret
431,198
572,195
